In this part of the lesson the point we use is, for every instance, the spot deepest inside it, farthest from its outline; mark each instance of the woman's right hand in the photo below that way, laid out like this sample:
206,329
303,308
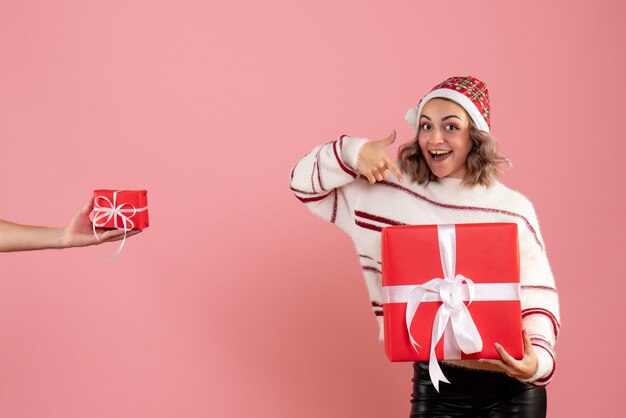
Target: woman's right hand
374,163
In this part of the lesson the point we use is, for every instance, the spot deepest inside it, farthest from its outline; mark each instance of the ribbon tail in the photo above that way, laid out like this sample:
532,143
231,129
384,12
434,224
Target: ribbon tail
451,349
465,331
439,326
119,249
412,304
436,375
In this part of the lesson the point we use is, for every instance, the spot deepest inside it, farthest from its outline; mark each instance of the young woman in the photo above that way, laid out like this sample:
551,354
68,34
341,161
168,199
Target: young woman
78,233
446,175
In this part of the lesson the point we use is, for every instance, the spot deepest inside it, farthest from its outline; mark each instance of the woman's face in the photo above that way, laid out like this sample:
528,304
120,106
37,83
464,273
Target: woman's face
444,138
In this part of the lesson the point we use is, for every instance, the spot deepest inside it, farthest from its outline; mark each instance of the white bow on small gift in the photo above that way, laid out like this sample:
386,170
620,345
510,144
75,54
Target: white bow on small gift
105,209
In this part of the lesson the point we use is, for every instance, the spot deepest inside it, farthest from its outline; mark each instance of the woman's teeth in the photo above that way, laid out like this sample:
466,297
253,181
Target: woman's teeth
439,154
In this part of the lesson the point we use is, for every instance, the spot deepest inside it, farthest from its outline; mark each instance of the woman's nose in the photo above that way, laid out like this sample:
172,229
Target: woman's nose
436,137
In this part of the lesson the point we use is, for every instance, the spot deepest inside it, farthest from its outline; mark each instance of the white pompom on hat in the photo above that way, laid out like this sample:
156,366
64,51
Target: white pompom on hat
469,92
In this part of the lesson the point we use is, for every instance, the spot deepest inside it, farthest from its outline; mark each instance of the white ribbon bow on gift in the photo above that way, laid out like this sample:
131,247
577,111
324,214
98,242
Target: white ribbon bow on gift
103,214
453,319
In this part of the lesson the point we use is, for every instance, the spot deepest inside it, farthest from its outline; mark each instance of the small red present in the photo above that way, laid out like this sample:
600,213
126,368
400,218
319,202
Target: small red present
456,285
120,209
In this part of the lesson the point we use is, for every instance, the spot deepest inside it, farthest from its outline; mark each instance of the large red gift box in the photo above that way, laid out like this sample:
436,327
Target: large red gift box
120,209
487,254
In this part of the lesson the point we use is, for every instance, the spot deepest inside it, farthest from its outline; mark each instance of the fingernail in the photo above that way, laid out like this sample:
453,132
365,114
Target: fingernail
498,345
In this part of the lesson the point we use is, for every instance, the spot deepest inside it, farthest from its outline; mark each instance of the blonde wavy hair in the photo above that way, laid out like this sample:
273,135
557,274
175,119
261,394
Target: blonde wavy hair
483,159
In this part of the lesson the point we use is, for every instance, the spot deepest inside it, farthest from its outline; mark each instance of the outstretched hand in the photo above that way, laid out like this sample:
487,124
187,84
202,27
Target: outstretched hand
79,232
520,369
374,163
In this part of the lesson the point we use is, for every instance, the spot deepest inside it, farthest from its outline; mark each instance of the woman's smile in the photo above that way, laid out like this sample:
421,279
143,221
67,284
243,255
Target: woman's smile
439,155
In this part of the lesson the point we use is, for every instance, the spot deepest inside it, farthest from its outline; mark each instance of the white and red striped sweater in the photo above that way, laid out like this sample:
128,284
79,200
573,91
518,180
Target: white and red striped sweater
325,179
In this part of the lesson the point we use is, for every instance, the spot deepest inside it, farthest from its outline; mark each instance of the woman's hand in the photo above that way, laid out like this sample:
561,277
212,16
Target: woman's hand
374,163
520,369
79,232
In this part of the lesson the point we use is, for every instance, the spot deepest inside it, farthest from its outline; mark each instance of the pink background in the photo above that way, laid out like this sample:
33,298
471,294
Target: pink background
237,301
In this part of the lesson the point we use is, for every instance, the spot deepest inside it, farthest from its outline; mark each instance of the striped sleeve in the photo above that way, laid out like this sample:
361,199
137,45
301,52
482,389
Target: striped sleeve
318,178
540,305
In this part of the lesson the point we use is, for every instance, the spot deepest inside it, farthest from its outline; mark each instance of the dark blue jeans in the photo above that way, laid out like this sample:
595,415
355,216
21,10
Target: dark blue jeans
474,394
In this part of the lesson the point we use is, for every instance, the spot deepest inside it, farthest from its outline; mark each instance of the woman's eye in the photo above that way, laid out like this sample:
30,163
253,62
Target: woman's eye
451,128
425,126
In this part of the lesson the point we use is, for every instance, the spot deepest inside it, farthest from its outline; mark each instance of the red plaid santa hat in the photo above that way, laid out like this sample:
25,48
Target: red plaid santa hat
469,92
